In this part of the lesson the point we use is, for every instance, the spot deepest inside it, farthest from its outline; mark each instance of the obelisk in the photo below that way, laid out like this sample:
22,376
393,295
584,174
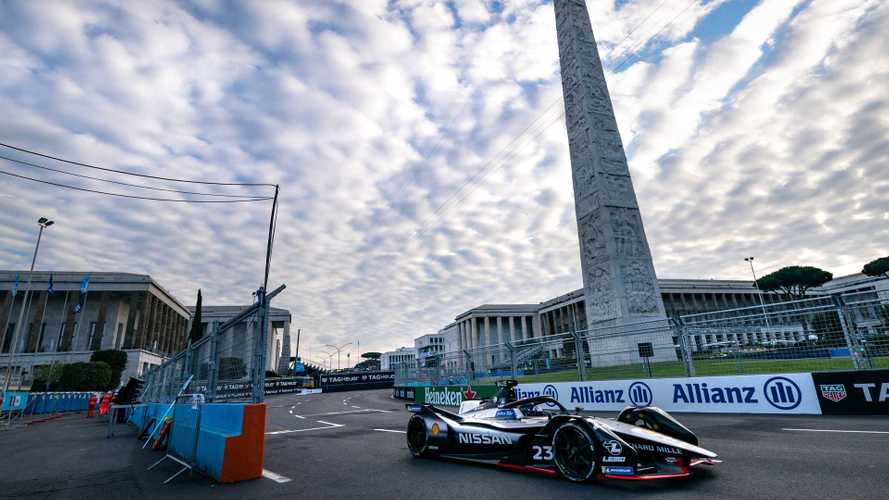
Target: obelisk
620,286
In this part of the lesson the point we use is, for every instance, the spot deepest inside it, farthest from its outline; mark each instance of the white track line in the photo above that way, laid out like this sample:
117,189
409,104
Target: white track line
299,416
278,478
328,425
836,430
347,412
391,430
353,406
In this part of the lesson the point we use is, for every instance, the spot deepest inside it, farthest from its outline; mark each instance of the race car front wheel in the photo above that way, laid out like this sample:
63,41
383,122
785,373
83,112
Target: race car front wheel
574,452
416,436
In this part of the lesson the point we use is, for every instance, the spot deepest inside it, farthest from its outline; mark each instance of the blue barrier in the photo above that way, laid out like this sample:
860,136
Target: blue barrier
57,402
230,447
14,400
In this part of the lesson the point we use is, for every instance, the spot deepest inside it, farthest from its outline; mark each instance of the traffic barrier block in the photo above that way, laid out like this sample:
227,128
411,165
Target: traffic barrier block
232,437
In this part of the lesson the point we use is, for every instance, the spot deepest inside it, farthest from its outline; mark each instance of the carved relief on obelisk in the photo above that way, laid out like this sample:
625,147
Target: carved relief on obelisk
620,286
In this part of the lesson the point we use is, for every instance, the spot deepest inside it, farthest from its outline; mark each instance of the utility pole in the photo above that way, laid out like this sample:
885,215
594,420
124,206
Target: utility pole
44,223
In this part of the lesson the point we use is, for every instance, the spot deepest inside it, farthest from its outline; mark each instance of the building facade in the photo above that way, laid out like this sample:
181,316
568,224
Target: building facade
403,357
130,312
430,348
494,325
238,340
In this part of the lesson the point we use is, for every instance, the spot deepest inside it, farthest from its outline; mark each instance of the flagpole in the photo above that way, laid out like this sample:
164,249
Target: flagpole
62,326
9,314
40,327
84,291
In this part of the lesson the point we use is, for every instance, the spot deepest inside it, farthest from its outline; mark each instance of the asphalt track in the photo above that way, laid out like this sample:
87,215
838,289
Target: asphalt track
348,445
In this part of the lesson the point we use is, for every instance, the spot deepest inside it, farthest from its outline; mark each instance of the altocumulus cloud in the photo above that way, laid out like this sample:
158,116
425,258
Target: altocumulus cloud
751,127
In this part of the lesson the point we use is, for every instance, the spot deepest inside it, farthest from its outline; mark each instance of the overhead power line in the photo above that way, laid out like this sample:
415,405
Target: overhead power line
122,195
83,176
124,172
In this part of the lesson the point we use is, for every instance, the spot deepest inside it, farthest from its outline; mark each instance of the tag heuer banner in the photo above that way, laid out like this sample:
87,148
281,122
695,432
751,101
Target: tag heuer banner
864,392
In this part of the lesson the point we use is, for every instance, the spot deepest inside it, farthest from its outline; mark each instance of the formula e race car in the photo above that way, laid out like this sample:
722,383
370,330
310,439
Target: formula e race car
538,434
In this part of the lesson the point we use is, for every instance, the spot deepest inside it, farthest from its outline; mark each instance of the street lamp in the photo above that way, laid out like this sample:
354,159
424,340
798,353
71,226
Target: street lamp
338,350
762,302
44,223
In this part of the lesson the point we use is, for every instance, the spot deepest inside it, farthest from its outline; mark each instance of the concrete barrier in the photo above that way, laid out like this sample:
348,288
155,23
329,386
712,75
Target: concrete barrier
231,444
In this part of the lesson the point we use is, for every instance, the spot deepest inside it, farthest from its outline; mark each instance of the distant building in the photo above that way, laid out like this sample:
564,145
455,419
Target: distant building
237,342
429,349
130,312
124,311
496,324
403,357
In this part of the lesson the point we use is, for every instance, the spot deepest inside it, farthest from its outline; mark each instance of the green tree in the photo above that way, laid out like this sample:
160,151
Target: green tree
117,360
92,376
877,267
794,281
196,327
372,355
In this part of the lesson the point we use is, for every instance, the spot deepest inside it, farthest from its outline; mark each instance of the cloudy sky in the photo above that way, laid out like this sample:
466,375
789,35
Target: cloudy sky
421,149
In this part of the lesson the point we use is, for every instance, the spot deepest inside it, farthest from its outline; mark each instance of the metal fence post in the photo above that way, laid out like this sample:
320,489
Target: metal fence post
578,354
512,362
851,341
259,348
213,364
684,347
469,367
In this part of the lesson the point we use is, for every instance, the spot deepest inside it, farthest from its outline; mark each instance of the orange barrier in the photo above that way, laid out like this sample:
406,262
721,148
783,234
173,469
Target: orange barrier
103,406
244,454
91,406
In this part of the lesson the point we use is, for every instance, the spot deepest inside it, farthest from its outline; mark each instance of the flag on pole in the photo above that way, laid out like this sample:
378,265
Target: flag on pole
15,285
50,289
84,285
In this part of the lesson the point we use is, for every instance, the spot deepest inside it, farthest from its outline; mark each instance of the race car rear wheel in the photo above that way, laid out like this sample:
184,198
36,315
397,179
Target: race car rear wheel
416,436
574,451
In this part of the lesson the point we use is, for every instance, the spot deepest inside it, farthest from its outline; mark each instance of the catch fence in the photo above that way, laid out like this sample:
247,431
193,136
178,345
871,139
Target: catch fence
819,333
228,364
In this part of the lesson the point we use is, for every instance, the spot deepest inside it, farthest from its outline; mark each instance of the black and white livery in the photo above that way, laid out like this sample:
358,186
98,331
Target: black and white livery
538,434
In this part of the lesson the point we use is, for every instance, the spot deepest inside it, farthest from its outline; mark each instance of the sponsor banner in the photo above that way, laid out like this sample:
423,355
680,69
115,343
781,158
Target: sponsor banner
773,393
13,400
356,381
408,393
240,390
453,395
864,392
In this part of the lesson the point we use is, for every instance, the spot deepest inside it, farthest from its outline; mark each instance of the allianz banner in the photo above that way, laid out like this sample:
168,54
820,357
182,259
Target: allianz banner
864,392
788,393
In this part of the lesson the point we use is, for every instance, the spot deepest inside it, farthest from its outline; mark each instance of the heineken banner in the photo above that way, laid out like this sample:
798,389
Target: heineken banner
864,392
453,395
357,381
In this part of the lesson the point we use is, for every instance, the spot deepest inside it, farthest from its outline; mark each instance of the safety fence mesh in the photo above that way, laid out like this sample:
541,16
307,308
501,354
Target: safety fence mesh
821,333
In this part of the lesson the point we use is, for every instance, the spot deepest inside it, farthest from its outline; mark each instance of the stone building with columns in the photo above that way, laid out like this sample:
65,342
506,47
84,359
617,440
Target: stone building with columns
237,341
495,324
131,312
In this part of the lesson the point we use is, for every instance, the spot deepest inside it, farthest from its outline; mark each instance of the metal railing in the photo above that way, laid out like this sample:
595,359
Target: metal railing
821,333
227,365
